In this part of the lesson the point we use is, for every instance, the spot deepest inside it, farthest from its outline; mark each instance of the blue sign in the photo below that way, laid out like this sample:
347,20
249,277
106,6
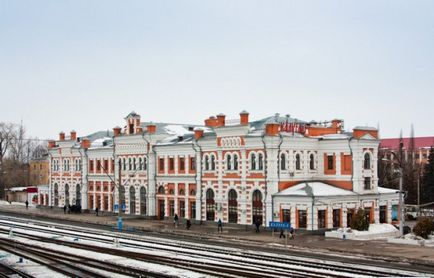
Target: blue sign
280,225
116,207
124,207
120,224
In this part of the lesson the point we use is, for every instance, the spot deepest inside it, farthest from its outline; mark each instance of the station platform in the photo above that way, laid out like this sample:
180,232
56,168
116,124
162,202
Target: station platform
243,234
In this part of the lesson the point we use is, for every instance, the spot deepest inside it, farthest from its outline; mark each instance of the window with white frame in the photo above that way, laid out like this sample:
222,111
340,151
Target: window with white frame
367,162
282,161
297,162
212,162
312,161
235,162
206,163
253,162
260,161
228,162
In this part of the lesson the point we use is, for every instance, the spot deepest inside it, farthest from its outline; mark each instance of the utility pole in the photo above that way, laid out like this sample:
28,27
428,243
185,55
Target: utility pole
401,205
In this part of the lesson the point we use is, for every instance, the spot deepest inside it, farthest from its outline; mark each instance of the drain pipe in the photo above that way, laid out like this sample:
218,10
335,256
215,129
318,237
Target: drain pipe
198,186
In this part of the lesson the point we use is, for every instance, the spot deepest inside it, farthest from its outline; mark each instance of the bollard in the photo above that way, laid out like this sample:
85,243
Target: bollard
11,233
20,260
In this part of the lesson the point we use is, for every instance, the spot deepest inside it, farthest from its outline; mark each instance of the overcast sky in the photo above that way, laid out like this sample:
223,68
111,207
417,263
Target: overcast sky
84,65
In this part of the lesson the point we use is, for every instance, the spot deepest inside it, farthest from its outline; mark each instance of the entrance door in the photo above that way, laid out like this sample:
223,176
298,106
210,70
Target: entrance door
257,206
210,214
161,209
233,206
383,210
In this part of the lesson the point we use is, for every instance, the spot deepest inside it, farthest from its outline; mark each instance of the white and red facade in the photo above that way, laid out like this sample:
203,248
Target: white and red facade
237,171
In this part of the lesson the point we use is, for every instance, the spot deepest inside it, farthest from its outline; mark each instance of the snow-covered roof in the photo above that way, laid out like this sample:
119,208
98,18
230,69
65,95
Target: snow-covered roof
313,189
383,190
102,142
17,189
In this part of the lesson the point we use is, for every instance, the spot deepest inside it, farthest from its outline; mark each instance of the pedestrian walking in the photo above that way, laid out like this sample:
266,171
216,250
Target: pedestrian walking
69,209
257,225
97,210
175,220
64,209
291,233
188,224
282,234
219,226
27,204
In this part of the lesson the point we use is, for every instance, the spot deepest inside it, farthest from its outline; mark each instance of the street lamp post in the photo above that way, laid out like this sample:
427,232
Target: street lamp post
401,204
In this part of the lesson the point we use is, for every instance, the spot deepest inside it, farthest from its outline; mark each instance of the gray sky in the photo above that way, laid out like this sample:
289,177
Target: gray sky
84,65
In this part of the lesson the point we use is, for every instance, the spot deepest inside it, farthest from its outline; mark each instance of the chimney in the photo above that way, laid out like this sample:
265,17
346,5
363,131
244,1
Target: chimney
221,119
211,122
244,118
151,128
336,124
51,144
85,143
62,136
73,135
198,133
116,131
272,129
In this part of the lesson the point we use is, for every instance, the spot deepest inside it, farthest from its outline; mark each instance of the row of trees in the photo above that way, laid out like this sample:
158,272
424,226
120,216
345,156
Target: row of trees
16,150
418,178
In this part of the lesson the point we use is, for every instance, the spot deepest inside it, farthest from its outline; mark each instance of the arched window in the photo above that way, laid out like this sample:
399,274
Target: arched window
257,206
229,162
253,162
145,164
297,162
140,163
181,192
171,192
192,192
161,190
212,162
210,215
134,164
312,161
206,163
282,161
235,162
130,165
124,164
232,206
261,162
367,164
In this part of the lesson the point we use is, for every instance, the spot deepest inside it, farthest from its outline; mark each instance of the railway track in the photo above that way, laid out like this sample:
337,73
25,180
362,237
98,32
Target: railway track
7,271
223,261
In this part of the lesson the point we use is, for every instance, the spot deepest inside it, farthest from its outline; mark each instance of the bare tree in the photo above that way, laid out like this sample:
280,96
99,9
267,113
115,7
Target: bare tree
6,136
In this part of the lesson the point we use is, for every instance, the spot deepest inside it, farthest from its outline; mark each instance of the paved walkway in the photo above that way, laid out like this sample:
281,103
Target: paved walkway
377,248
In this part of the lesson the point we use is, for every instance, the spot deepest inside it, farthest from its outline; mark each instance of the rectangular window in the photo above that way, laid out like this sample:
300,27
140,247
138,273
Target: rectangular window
98,165
336,218
321,219
367,183
171,164
330,160
161,165
91,165
106,165
286,215
302,219
182,164
192,164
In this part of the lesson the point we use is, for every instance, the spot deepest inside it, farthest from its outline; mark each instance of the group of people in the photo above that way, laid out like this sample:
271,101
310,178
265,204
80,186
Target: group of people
72,209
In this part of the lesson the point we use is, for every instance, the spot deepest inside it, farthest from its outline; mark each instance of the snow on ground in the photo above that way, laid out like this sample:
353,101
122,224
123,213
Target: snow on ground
176,252
156,268
171,251
5,203
28,267
412,239
376,231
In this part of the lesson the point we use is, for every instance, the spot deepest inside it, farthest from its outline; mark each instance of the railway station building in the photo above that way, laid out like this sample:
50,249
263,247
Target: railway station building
314,175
